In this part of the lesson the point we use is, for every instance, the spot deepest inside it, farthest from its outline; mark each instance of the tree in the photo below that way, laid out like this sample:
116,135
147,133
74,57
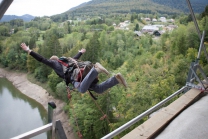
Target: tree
134,16
93,49
1,48
136,27
32,42
204,27
205,12
53,80
51,47
4,31
32,64
179,41
61,91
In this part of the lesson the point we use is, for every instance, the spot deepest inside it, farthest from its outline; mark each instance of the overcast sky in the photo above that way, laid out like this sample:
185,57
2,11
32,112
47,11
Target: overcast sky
41,7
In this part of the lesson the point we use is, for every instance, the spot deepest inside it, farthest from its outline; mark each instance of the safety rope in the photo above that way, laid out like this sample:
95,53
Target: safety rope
73,113
75,117
104,115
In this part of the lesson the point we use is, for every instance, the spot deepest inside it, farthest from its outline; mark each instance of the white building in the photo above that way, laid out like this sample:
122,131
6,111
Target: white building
124,25
163,19
154,20
149,28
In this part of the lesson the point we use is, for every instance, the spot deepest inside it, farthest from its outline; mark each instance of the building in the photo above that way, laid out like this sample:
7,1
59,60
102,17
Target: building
163,19
124,25
149,28
138,33
154,20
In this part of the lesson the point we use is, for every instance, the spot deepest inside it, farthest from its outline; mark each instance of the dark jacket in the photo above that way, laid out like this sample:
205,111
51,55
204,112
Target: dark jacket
54,64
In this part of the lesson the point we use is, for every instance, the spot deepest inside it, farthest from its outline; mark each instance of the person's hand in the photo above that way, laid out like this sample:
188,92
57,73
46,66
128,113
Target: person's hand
82,50
25,47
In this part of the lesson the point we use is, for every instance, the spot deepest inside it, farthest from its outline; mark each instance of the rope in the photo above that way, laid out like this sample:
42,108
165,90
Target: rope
75,117
104,115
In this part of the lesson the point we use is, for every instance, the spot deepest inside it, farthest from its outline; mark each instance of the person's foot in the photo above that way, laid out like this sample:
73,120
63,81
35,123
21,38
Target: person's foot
99,68
121,79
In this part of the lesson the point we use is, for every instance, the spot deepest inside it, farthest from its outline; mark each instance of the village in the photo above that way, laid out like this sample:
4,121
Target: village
152,27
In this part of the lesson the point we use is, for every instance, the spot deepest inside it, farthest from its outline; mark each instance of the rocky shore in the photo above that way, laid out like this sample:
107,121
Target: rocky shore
39,94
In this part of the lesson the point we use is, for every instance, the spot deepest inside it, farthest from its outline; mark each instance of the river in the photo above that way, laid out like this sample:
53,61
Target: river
19,113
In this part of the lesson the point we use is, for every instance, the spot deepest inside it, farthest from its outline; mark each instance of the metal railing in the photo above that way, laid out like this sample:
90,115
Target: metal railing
191,76
139,117
4,5
55,127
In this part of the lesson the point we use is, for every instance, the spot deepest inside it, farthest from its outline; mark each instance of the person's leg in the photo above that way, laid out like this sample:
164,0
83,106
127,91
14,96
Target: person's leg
90,77
100,88
116,79
87,81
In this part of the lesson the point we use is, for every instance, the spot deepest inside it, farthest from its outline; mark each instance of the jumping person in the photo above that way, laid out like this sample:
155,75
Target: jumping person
88,81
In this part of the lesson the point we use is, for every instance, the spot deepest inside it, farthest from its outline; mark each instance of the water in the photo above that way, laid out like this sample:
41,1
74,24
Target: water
19,113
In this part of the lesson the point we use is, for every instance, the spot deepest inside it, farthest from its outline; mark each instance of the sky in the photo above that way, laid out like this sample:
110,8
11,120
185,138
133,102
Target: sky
41,7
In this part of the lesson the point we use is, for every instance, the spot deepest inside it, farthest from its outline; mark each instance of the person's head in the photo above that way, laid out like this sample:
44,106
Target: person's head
54,57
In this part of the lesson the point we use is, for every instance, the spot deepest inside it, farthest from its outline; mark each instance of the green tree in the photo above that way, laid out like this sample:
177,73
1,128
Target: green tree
4,31
205,12
53,80
136,27
32,64
61,91
51,47
204,27
93,49
32,43
179,41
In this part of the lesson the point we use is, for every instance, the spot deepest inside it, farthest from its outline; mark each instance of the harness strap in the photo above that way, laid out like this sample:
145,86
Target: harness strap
92,95
63,63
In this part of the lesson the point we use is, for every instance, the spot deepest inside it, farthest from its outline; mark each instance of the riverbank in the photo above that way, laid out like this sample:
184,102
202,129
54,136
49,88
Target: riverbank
39,94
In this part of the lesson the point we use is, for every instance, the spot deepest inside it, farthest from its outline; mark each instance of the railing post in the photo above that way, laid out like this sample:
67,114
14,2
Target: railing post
51,117
4,5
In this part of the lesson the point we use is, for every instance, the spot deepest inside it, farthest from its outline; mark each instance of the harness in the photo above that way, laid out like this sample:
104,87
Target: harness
69,65
68,70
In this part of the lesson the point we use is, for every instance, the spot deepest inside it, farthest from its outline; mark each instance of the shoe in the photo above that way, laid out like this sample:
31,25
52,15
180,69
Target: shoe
121,79
99,68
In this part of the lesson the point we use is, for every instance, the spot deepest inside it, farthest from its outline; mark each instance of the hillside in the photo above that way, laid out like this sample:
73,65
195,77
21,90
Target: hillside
112,7
25,17
107,7
197,5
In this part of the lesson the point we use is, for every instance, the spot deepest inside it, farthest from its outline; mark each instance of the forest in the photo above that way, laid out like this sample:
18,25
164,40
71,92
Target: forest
154,67
118,7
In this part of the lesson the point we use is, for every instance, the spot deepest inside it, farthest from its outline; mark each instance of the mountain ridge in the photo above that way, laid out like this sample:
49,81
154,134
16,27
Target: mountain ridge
25,17
107,7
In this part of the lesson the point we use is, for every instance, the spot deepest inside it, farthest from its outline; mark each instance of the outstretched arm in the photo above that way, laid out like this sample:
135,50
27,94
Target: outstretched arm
37,56
77,56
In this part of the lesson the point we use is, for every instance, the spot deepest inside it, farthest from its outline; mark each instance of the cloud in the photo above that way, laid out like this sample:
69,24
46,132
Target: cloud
42,7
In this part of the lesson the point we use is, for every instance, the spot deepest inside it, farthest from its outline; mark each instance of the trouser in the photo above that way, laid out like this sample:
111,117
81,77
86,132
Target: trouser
98,88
